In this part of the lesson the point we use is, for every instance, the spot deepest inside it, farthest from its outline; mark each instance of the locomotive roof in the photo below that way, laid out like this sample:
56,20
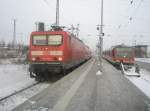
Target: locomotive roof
121,46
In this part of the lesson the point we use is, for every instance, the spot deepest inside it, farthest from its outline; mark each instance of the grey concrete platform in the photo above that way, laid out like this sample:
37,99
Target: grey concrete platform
85,90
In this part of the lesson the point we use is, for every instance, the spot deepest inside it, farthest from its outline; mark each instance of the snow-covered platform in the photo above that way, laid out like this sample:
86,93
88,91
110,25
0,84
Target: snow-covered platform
142,81
88,89
13,78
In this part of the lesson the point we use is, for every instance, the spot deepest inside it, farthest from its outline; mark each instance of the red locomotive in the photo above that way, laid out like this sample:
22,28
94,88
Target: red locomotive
55,51
120,54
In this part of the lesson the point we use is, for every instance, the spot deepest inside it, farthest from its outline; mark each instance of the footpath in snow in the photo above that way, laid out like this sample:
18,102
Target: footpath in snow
142,82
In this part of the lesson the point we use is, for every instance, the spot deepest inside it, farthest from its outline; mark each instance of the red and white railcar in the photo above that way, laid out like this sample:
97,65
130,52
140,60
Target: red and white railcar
120,54
55,51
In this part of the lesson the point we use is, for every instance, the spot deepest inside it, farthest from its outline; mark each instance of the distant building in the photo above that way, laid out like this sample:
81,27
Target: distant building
141,51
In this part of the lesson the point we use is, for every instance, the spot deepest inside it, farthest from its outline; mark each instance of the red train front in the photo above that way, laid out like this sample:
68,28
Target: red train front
55,52
119,54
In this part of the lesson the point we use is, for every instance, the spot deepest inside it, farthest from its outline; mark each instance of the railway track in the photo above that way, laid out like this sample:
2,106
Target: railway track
19,91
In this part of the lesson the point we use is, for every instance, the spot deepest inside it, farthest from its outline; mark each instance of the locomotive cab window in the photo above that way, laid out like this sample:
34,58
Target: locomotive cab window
47,39
54,39
124,52
39,40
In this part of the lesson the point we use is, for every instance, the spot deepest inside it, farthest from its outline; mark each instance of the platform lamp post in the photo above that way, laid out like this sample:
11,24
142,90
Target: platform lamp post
101,34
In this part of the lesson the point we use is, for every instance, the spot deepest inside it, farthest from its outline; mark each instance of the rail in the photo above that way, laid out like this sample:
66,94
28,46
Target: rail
19,91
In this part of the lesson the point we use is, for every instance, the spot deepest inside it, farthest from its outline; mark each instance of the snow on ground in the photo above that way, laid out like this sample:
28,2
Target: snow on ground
13,77
142,82
14,101
147,60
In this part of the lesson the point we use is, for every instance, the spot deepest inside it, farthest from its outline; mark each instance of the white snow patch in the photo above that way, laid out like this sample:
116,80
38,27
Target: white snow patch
99,73
131,72
142,82
13,77
146,60
14,101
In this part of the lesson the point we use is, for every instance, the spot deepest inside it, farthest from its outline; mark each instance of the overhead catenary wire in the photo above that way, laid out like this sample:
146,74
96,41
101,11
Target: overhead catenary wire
132,16
136,10
131,3
46,2
52,5
136,19
77,29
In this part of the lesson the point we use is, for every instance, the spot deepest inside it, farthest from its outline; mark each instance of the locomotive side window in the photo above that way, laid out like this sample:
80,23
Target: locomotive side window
39,40
54,39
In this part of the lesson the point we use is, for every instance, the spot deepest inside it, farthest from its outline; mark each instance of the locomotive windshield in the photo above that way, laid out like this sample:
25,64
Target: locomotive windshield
39,40
54,39
124,52
47,39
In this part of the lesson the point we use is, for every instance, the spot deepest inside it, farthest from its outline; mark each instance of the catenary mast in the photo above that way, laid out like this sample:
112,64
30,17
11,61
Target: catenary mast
57,13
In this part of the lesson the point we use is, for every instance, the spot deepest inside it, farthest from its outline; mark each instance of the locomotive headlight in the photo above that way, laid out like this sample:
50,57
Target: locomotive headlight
60,58
33,58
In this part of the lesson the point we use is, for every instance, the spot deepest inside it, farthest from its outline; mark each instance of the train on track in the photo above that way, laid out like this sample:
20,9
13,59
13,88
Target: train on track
120,54
55,51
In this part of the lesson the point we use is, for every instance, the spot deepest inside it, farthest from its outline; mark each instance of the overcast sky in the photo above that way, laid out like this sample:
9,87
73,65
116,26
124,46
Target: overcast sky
123,22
